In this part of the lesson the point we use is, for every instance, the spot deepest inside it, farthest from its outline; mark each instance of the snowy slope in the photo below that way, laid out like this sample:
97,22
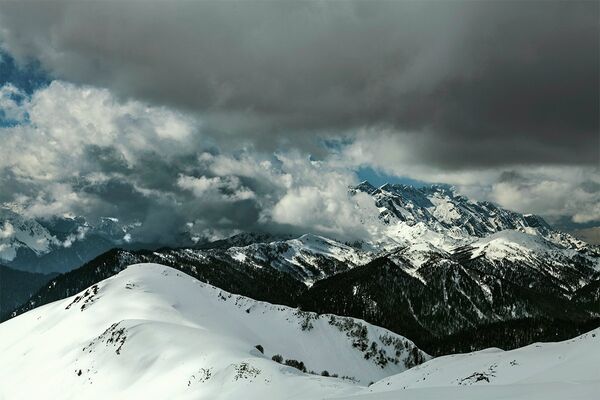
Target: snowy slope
516,245
535,391
563,370
576,360
154,332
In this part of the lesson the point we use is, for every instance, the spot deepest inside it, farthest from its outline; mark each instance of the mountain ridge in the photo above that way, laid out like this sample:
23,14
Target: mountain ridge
151,324
152,331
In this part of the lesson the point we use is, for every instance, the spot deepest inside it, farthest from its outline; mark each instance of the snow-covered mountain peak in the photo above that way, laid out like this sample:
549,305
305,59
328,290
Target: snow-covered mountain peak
439,208
317,242
515,246
365,186
152,331
17,231
501,243
56,243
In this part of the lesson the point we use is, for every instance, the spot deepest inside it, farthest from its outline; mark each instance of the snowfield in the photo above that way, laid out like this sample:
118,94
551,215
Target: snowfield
154,332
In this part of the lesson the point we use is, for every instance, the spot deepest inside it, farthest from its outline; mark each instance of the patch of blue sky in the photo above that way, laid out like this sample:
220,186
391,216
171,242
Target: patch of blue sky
6,122
26,78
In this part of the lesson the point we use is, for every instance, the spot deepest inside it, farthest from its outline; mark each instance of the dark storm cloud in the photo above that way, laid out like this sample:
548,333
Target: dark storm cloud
106,158
162,206
10,185
482,83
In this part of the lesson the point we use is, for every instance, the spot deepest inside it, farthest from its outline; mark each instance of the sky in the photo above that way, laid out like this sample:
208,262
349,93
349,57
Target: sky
257,116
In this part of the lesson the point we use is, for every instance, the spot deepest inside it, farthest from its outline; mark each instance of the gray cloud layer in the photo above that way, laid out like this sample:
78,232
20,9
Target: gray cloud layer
467,84
79,150
498,98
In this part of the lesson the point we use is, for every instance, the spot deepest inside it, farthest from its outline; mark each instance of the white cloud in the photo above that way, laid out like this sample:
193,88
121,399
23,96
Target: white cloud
49,152
252,165
227,188
323,210
56,199
317,200
64,119
10,108
7,231
573,192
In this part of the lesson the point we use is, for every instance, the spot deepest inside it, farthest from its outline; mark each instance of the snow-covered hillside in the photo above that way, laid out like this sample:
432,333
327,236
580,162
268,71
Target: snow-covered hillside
532,250
563,370
153,332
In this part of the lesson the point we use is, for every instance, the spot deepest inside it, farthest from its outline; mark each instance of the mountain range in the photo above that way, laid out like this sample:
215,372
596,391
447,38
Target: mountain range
56,244
450,273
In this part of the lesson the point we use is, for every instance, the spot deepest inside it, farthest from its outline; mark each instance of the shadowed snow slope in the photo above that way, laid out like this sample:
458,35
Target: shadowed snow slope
154,332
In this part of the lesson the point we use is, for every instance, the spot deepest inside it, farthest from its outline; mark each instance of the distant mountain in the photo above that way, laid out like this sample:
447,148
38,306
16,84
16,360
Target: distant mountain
57,244
435,217
155,332
307,258
440,216
240,240
16,287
